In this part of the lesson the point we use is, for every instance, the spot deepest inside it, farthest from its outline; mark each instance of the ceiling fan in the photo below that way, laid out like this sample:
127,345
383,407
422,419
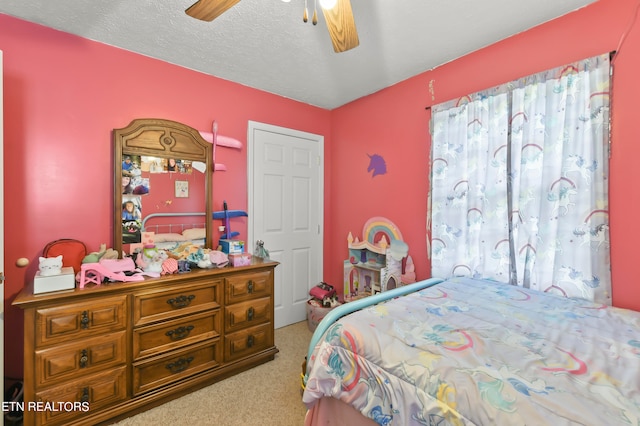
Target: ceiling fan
339,19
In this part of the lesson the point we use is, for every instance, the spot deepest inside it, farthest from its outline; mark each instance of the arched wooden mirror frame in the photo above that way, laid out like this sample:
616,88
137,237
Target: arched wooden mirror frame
164,139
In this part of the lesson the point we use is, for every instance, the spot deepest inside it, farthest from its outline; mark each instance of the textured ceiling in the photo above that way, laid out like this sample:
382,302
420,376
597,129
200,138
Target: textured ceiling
265,44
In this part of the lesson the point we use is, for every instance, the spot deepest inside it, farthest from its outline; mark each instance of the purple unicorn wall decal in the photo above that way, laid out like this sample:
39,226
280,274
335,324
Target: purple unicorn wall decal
377,164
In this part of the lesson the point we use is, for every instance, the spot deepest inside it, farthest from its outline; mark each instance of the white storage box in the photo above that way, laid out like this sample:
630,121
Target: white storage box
66,280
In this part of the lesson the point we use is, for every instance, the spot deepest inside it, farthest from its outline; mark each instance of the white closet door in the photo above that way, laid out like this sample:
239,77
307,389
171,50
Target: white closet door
285,169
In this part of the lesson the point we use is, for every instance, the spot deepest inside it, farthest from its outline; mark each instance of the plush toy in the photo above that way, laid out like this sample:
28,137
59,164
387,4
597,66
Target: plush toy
200,258
205,263
183,266
110,254
50,266
103,253
95,256
153,259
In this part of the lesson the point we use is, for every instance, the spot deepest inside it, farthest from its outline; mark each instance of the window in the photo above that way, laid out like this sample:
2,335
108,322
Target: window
519,183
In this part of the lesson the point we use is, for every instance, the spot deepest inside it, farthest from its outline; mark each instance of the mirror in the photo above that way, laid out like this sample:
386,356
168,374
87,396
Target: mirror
163,172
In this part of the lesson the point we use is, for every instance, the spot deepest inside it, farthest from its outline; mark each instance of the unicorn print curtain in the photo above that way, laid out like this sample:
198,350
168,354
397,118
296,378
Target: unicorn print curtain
519,183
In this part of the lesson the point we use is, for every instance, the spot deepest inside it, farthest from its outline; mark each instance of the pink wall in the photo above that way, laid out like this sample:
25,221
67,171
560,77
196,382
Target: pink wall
63,95
394,124
161,198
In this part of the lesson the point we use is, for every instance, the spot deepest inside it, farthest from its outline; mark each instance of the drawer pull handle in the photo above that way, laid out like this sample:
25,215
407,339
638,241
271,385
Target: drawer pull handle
250,286
179,333
84,358
250,341
181,301
85,395
250,314
180,365
84,321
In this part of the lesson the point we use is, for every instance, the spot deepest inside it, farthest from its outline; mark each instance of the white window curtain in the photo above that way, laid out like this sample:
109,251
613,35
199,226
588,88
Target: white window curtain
519,179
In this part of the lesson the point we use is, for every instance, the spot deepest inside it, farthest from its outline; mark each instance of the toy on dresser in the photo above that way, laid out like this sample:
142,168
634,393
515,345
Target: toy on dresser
111,270
152,259
52,276
50,266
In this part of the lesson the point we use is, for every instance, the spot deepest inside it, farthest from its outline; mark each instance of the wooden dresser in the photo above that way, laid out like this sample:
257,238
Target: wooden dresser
99,354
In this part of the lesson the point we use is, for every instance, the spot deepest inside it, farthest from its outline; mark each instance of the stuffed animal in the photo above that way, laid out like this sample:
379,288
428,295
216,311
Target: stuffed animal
205,263
153,259
95,256
110,254
103,253
200,258
183,266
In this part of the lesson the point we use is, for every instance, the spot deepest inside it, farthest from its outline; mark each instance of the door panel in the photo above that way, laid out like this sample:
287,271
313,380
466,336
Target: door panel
285,211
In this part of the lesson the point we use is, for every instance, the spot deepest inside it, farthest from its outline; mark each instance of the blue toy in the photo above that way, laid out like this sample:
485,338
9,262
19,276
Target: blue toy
225,215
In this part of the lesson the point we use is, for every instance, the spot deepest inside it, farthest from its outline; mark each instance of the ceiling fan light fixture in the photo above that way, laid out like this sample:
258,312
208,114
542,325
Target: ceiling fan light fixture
328,4
337,15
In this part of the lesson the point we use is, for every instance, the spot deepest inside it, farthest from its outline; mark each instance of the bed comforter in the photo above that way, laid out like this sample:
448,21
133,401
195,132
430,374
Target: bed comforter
477,352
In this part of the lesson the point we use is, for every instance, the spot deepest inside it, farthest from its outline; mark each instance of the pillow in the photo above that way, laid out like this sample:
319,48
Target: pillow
194,234
162,238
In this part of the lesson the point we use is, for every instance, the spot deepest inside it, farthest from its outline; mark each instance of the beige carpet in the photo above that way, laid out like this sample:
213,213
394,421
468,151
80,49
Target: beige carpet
262,396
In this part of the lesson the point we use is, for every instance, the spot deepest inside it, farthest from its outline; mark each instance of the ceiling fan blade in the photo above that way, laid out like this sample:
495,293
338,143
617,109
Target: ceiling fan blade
341,26
208,10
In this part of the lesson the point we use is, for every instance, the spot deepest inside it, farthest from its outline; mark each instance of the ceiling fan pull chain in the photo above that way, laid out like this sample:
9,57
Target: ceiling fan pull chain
315,12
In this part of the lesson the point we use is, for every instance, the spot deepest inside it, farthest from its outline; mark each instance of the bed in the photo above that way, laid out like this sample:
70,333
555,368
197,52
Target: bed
468,351
175,231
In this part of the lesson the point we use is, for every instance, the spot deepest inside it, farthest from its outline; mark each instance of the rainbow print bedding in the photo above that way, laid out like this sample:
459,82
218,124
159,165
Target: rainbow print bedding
477,352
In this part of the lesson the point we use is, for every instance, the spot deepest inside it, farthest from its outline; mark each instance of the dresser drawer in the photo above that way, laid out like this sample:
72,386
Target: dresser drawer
80,320
248,342
160,305
247,314
160,371
248,286
166,336
85,357
74,398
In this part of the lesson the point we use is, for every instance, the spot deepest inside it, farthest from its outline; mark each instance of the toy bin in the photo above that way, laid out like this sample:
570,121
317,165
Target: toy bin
315,313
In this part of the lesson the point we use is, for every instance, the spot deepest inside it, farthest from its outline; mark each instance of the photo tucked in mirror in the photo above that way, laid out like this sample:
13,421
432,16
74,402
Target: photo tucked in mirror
133,186
131,219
